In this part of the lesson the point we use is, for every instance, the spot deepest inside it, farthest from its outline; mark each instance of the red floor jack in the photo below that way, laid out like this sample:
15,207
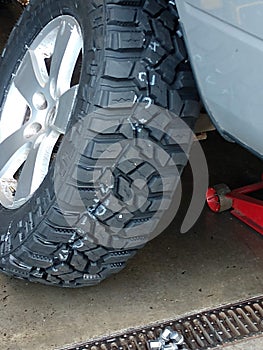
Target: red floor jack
246,208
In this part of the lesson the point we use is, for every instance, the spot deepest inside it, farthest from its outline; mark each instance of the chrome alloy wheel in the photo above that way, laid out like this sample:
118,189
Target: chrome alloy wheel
37,109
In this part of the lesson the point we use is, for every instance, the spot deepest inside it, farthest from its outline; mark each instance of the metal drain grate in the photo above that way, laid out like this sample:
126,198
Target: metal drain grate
205,330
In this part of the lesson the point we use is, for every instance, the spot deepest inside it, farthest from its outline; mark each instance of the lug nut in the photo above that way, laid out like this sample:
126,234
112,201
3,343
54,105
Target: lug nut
168,340
32,130
39,101
171,346
177,338
166,334
155,344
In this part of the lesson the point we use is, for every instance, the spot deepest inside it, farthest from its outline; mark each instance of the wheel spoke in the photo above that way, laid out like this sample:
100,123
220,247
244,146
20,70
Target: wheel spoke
26,177
13,150
36,166
13,114
65,106
31,76
67,47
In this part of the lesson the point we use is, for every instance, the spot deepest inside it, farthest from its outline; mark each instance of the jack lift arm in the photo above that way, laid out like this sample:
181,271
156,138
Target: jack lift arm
244,207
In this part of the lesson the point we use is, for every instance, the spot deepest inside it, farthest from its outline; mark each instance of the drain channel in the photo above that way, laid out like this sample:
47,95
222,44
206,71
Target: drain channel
204,330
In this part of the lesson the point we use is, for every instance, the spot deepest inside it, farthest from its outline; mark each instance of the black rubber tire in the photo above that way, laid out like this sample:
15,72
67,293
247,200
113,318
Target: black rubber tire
69,246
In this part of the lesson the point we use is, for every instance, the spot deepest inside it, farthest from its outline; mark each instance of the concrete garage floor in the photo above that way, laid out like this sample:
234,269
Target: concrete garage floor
219,261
